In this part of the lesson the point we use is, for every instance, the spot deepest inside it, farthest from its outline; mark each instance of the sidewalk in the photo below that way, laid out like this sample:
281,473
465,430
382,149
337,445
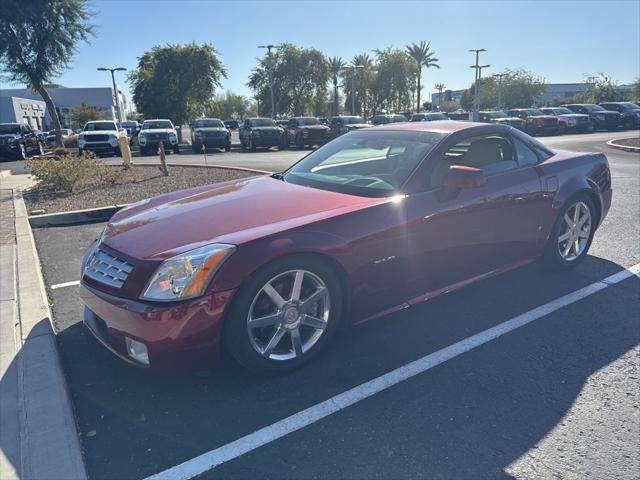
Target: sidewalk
38,438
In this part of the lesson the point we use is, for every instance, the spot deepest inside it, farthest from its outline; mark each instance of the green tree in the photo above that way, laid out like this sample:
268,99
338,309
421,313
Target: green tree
601,88
520,89
336,64
229,105
84,113
395,76
423,56
176,81
38,41
300,77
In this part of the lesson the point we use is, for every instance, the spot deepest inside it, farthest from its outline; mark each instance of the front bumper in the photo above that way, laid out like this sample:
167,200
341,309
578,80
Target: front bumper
266,141
99,147
609,123
9,148
149,144
213,142
183,336
546,129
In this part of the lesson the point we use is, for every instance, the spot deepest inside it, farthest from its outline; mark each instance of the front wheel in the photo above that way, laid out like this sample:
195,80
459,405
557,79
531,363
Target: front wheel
572,234
22,152
561,129
176,150
284,315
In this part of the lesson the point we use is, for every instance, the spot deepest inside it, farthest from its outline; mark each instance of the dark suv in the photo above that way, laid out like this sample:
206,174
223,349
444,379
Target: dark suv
344,124
568,120
383,119
210,133
535,121
18,140
501,118
306,131
261,132
600,118
629,113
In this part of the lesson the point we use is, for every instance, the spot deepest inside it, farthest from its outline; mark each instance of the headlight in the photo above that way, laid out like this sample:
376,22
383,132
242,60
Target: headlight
600,117
197,133
81,140
142,138
113,140
256,133
572,122
186,275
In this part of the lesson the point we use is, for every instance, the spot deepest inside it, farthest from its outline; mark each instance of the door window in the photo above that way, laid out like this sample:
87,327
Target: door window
524,155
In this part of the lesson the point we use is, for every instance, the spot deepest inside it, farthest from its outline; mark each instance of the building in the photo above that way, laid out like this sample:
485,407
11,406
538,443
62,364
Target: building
66,99
22,110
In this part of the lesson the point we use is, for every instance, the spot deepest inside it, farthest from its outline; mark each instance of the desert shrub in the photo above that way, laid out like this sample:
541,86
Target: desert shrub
63,175
109,175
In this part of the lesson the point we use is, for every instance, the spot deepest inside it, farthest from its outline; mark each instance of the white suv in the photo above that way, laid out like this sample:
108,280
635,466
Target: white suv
155,131
100,136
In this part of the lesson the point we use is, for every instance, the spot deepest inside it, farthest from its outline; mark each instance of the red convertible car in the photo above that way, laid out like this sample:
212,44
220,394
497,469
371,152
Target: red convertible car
270,267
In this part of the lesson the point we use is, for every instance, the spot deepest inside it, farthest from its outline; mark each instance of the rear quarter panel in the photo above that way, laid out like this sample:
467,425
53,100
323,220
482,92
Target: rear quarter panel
566,174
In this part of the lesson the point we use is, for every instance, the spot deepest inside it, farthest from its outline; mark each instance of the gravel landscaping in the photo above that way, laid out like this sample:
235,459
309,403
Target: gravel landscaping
136,184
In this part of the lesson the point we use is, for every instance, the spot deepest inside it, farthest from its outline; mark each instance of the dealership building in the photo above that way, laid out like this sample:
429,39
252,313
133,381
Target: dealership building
65,100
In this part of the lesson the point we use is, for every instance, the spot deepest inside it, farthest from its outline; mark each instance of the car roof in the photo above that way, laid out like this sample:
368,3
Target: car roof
445,126
207,118
156,119
298,118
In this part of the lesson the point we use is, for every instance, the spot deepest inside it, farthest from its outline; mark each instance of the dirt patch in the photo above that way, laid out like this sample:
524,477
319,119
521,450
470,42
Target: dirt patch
136,184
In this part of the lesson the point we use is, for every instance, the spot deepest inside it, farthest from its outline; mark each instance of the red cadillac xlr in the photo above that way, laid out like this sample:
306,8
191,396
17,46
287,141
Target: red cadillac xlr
269,268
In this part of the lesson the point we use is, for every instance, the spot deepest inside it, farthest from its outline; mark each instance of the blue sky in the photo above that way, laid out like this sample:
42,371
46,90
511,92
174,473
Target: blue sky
558,40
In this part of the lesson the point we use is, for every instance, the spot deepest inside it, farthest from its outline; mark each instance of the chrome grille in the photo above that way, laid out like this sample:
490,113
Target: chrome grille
96,138
105,268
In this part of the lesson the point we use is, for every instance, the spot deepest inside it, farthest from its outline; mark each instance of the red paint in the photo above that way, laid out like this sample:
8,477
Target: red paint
432,241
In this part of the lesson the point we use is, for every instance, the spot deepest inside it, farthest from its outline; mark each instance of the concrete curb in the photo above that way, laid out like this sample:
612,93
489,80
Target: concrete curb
626,148
102,214
49,442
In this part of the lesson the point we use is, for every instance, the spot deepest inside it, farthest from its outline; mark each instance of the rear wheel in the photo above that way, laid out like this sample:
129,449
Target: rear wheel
572,234
284,315
22,152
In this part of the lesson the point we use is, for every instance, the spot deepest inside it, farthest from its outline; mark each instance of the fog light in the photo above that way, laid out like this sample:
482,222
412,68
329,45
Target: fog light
137,350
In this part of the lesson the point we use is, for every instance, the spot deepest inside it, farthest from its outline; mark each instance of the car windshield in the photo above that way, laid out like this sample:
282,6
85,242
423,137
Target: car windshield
308,121
417,117
352,120
438,116
628,106
208,124
90,127
594,108
153,124
535,111
4,129
262,122
369,164
562,111
497,114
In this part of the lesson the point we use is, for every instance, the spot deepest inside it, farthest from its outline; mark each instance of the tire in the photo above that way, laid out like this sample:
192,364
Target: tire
591,128
248,349
22,152
176,150
143,151
40,150
227,148
553,258
195,148
251,146
561,129
299,141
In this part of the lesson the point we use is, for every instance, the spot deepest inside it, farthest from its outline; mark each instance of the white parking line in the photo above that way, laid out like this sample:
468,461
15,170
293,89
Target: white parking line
208,461
65,284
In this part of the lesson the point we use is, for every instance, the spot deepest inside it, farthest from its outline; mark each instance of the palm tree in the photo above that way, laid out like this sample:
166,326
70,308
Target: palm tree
336,64
365,61
424,57
439,87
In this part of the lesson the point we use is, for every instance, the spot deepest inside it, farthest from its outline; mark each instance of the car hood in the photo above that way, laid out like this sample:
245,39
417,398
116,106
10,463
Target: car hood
313,127
233,212
358,125
97,132
209,129
157,130
509,119
573,115
265,128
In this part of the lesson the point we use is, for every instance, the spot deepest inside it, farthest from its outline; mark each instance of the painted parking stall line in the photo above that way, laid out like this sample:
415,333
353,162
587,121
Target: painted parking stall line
65,284
209,460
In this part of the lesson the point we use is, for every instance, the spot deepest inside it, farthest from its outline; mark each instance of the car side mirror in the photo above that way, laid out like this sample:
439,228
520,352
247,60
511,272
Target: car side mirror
461,176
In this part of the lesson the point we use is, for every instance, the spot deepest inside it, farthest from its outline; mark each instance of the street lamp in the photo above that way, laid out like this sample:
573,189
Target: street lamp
115,88
353,86
269,67
476,102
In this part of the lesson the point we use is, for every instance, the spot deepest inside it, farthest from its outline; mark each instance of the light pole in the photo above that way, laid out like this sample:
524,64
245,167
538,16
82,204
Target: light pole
500,76
269,67
476,102
115,88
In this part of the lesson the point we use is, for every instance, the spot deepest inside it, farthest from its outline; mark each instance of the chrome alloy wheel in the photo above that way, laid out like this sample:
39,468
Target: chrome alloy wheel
574,231
288,315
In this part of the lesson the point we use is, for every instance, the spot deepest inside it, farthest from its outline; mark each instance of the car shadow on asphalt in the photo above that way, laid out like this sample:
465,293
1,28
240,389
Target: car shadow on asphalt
508,394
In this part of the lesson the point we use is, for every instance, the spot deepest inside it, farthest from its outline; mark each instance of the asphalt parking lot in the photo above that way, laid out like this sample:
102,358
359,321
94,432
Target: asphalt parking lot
558,397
